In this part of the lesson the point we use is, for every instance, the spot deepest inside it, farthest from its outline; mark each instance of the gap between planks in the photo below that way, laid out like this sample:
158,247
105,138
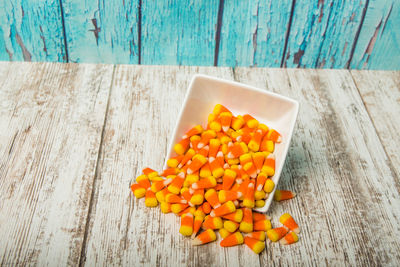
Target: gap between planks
96,174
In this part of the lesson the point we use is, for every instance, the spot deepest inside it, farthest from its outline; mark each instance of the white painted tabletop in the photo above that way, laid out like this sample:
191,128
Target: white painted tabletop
73,136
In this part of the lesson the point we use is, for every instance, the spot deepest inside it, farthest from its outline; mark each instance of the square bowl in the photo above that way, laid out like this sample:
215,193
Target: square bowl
276,111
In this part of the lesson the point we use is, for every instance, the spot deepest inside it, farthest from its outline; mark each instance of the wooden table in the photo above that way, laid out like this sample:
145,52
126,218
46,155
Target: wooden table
73,136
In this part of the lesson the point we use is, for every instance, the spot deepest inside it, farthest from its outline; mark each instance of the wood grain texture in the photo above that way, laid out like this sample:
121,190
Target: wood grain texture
253,33
142,114
322,33
179,32
380,91
347,202
51,118
102,31
378,45
31,31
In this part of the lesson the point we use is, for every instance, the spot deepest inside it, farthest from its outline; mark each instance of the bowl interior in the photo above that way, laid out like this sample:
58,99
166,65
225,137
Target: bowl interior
276,111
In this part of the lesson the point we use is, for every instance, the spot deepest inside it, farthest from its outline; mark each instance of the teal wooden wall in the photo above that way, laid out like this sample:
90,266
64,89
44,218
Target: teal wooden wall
357,34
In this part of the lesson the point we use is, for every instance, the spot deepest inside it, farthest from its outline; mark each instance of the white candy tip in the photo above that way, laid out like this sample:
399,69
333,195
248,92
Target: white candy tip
184,136
196,242
212,213
283,241
189,171
200,145
279,139
225,128
211,159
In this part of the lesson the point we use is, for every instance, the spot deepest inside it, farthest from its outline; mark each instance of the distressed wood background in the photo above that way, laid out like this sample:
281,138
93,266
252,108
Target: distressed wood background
363,34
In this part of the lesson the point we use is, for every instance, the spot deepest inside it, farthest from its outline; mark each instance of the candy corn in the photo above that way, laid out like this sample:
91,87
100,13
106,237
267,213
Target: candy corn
269,186
260,235
225,118
174,161
197,162
236,216
178,207
138,190
269,165
254,144
150,173
165,207
250,121
224,233
283,195
208,182
277,233
290,238
197,197
228,179
212,197
159,185
195,130
246,224
181,147
198,221
260,216
212,222
274,136
150,199
171,198
186,228
231,226
232,240
263,225
225,196
216,169
255,245
248,200
226,208
205,237
288,221
188,156
206,207
175,186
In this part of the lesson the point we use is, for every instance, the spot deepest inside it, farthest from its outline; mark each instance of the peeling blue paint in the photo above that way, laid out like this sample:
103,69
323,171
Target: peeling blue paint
363,34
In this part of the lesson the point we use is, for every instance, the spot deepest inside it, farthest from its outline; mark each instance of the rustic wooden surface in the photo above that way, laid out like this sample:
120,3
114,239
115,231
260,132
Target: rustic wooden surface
360,34
73,136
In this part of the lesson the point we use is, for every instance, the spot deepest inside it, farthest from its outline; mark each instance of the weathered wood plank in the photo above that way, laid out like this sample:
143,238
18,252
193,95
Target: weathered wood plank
51,118
322,33
142,114
31,31
102,31
253,33
378,44
179,32
380,91
347,202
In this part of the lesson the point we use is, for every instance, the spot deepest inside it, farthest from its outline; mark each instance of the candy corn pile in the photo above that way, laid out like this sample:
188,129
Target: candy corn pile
218,176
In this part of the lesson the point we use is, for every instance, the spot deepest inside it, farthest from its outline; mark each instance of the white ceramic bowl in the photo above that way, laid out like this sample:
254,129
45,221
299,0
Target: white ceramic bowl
276,111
